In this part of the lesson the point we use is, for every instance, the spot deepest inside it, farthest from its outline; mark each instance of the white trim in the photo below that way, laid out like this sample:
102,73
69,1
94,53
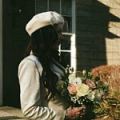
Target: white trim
65,50
66,33
73,52
1,62
73,38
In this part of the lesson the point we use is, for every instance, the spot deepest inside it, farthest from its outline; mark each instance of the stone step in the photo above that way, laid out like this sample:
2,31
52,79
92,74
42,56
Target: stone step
10,113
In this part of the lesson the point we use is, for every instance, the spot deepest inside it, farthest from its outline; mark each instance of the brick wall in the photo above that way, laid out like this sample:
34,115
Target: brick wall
97,33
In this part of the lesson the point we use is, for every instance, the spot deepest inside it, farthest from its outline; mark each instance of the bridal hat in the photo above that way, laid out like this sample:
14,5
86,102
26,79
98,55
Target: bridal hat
43,19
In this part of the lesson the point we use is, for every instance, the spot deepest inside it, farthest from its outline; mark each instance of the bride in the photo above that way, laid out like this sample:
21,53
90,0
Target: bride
40,71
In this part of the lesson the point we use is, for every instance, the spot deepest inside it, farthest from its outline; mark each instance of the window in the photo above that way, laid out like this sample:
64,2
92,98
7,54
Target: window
67,9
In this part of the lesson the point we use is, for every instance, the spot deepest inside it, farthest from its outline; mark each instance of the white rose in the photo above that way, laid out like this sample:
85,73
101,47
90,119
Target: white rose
82,90
91,96
72,76
76,81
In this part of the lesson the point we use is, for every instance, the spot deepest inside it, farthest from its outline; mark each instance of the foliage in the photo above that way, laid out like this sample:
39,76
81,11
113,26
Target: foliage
109,108
105,101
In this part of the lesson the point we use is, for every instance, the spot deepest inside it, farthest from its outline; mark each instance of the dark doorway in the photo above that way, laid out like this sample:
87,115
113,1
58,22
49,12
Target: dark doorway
16,13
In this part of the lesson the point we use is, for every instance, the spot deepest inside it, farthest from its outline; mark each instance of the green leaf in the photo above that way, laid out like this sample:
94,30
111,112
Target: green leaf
97,78
89,76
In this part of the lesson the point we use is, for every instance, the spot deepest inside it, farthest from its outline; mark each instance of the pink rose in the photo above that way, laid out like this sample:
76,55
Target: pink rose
90,83
72,89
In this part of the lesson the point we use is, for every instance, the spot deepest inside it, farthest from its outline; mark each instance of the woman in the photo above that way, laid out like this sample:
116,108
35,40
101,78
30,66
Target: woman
41,71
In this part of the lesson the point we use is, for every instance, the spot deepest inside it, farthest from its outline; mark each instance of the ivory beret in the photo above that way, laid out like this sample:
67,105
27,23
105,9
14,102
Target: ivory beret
43,19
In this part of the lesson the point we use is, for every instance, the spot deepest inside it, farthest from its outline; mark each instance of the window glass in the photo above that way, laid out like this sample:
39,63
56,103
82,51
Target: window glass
41,6
66,11
65,49
66,58
68,24
65,45
66,7
54,5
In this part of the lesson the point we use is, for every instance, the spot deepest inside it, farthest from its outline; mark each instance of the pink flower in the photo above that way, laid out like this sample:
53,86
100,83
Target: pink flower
72,89
90,83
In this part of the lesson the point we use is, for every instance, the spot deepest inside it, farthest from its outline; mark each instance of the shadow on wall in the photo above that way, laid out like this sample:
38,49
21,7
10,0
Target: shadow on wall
93,18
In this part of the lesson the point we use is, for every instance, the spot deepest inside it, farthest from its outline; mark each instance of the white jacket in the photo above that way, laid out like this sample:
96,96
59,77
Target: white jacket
32,93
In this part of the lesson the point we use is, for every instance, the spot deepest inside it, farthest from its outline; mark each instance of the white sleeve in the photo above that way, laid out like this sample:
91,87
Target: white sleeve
29,81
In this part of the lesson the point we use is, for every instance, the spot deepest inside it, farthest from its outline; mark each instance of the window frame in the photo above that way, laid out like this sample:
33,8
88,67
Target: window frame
72,33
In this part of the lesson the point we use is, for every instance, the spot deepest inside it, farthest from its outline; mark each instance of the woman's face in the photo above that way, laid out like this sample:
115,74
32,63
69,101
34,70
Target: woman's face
59,30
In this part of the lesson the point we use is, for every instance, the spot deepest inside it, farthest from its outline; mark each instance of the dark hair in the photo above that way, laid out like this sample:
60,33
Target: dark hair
40,44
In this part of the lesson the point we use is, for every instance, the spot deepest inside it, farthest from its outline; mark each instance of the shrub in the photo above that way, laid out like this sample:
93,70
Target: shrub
111,105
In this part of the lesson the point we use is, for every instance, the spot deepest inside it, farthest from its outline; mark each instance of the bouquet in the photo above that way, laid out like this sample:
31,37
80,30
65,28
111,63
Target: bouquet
79,88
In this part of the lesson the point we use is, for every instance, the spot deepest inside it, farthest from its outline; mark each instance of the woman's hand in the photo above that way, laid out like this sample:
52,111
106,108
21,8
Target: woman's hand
75,112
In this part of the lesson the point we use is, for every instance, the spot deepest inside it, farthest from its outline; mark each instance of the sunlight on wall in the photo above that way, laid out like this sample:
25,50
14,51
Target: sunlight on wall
114,27
112,40
114,10
1,74
111,3
73,53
